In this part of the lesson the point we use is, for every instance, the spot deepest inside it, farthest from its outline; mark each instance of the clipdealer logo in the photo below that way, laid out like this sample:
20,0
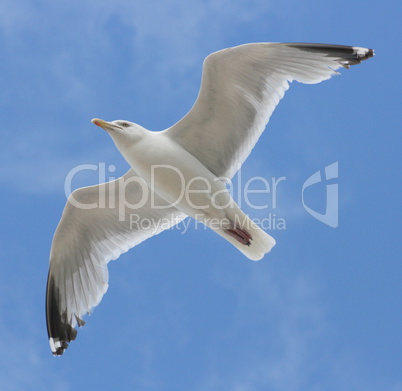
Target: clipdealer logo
244,190
330,217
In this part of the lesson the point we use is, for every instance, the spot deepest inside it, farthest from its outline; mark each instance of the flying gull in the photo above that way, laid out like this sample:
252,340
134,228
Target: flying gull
179,172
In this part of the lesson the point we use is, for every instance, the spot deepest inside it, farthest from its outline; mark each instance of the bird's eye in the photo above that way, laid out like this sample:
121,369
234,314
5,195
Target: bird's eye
125,124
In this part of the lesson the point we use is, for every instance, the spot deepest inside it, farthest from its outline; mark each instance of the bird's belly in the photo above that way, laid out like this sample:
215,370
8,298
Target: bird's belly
181,179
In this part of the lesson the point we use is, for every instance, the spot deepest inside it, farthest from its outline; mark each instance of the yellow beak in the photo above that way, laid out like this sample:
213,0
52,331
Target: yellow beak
104,124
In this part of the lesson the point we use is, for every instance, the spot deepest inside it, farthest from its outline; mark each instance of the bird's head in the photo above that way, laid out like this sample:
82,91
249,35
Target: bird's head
120,130
115,126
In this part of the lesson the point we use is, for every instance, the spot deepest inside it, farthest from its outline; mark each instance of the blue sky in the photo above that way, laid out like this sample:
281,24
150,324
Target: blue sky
188,311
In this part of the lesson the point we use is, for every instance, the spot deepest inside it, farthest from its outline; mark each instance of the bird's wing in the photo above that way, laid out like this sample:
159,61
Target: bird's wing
98,224
240,89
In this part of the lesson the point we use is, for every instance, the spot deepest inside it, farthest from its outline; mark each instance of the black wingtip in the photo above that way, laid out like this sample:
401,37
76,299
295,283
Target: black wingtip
362,54
59,329
59,350
347,55
369,54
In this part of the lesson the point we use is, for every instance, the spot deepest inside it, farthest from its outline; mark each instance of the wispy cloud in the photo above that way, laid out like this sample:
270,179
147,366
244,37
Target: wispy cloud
106,58
289,324
289,349
22,363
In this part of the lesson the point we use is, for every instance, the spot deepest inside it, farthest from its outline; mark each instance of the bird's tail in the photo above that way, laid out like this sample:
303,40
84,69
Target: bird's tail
247,236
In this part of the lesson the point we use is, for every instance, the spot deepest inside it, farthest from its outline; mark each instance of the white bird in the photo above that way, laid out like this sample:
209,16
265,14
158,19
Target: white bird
177,173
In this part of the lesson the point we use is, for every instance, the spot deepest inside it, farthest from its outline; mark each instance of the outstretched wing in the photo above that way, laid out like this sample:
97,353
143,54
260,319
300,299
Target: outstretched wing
240,89
98,224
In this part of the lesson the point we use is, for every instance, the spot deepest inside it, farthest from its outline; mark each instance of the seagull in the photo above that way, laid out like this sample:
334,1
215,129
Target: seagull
179,172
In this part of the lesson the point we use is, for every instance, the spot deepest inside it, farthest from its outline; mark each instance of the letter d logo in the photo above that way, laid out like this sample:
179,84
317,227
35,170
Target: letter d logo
330,217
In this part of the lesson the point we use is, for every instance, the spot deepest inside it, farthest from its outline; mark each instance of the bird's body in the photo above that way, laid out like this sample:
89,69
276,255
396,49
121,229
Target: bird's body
179,172
185,183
